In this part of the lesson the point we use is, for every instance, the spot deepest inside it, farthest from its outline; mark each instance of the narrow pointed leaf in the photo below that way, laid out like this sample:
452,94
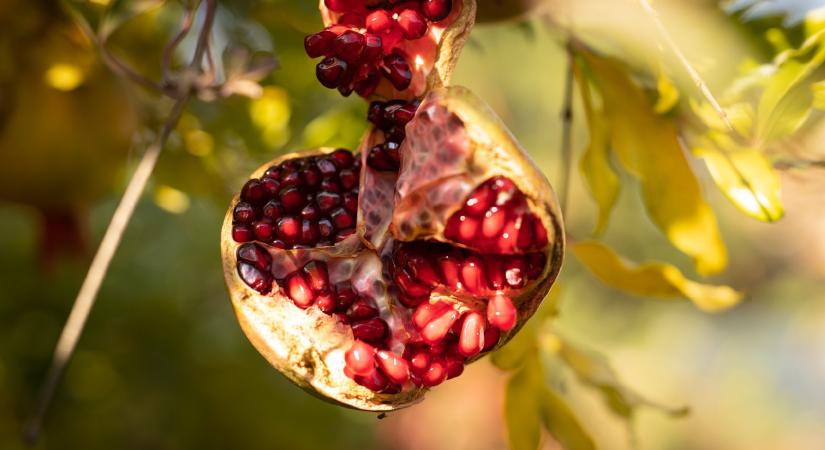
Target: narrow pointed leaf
561,422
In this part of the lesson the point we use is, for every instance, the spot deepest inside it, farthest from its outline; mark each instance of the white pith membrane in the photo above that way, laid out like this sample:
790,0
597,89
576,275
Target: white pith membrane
431,57
454,144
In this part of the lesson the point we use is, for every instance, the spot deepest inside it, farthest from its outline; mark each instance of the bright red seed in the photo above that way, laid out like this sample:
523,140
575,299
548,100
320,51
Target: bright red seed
241,233
471,339
316,275
289,229
255,278
255,255
396,368
436,373
326,302
426,312
360,358
371,330
412,24
473,277
439,326
362,309
299,291
436,10
379,21
395,68
501,313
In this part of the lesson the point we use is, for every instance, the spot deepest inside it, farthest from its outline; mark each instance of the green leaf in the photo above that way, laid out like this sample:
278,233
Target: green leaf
593,370
522,409
740,115
818,90
668,93
561,422
595,166
647,145
745,177
652,279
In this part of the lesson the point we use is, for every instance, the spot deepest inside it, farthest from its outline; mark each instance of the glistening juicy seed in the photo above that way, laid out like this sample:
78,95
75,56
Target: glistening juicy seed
296,203
390,117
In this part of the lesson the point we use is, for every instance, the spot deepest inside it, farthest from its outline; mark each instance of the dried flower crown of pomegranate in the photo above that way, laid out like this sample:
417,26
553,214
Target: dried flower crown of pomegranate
367,286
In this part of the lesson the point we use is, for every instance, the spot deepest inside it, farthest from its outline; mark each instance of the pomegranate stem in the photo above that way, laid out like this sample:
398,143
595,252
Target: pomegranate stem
73,328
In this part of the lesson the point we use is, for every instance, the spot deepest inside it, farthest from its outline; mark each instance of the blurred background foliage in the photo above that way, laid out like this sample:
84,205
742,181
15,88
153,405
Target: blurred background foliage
163,365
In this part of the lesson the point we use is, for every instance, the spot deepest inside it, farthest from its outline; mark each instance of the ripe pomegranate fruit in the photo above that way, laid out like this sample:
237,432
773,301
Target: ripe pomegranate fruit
367,285
389,48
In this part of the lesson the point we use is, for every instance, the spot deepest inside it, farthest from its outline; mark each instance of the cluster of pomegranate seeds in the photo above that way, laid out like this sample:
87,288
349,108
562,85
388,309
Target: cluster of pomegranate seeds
254,264
390,117
300,203
362,47
496,219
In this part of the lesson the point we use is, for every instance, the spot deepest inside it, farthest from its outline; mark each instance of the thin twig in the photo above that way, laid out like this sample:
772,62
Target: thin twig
169,50
567,126
67,343
706,92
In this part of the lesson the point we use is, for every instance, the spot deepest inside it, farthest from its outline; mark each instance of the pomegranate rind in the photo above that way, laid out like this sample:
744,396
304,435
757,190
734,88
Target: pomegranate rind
305,345
443,160
435,71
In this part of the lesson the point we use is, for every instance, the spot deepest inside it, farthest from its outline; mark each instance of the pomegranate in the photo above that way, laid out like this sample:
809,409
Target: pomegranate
389,48
367,281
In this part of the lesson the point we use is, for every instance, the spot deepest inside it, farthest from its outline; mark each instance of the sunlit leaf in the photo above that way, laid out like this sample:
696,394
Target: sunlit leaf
647,145
593,369
818,90
522,406
668,93
740,116
595,166
652,279
120,11
561,422
745,176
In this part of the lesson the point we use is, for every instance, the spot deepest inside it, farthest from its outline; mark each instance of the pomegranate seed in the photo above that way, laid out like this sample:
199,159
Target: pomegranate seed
299,291
271,186
379,21
436,373
420,361
330,185
327,167
325,228
515,270
341,235
471,339
381,159
491,337
342,219
325,302
253,191
450,265
494,267
344,296
255,255
507,240
311,177
263,230
352,20
360,358
241,233
273,210
342,5
331,71
423,270
412,24
362,310
473,277
479,201
410,287
526,236
540,240
438,327
493,222
505,190
255,278
436,10
310,212
348,179
395,68
396,134
273,172
535,265
244,213
316,275
319,44
351,202
309,232
370,330
327,200
410,302
292,199
391,38
403,114
376,381
396,369
288,229
278,244
501,313
454,365
426,312
373,46
290,179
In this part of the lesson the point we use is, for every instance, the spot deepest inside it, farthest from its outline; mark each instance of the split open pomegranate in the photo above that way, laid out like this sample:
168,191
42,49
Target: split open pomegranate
389,48
369,277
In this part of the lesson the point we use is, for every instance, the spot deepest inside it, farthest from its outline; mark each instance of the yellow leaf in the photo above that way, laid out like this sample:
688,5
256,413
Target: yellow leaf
745,176
740,116
595,166
561,422
668,94
648,146
652,279
513,354
522,411
818,90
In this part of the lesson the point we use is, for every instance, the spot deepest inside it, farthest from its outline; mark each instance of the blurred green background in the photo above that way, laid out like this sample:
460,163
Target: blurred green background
162,363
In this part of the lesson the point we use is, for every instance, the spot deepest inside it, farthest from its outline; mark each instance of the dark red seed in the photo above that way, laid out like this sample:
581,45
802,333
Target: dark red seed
292,199
325,228
379,158
420,360
255,278
343,5
412,24
375,114
351,20
273,172
409,286
480,200
362,309
372,50
473,277
436,373
325,302
316,275
309,232
396,69
273,210
371,330
351,202
327,167
455,366
271,186
494,267
491,337
342,219
290,179
253,191
330,184
311,177
344,296
436,10
255,255
376,381
396,368
299,291
289,229
330,72
379,21
348,179
396,134
310,212
342,158
327,200
244,213
241,233
263,230
277,243
319,44
535,265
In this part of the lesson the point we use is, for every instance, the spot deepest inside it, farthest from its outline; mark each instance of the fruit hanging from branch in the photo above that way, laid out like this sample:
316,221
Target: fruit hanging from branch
368,277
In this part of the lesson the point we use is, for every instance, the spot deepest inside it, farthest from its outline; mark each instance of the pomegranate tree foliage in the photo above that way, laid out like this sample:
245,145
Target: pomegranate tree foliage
645,129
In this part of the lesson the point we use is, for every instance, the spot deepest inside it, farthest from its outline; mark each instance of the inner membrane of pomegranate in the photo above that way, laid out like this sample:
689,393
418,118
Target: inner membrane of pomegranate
419,310
380,46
